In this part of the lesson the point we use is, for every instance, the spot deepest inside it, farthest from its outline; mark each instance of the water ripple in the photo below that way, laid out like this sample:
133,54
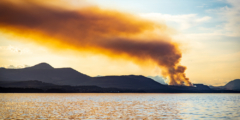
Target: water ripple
119,106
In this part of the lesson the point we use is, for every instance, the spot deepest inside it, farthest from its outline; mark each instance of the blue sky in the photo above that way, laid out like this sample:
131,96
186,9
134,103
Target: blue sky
163,6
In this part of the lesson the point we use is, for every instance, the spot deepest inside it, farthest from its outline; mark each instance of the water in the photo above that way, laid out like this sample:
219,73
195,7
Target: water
119,106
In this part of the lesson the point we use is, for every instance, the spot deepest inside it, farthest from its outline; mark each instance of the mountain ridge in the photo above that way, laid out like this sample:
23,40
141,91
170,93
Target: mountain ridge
68,76
59,76
41,66
45,74
233,85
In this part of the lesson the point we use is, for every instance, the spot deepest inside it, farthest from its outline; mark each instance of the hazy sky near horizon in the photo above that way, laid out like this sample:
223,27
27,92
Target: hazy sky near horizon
208,32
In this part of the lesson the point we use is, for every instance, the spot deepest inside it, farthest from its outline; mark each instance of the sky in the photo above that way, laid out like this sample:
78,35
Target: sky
207,34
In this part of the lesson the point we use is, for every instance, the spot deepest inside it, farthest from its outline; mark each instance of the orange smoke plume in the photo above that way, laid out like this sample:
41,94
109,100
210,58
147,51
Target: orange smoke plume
92,29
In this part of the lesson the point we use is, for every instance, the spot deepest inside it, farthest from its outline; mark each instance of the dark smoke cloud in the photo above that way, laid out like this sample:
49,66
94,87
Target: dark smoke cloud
91,29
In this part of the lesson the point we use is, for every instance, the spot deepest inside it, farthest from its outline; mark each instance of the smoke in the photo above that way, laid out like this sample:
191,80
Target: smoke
91,29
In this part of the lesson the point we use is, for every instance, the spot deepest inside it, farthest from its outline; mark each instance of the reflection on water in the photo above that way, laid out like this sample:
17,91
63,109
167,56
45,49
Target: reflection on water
119,106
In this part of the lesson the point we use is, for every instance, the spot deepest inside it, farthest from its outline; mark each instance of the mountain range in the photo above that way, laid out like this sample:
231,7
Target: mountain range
43,76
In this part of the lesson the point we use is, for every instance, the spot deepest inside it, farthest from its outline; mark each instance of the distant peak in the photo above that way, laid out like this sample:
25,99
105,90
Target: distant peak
42,66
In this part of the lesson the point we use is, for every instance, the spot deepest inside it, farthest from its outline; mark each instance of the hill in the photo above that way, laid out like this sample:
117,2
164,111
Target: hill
127,82
233,85
45,73
67,76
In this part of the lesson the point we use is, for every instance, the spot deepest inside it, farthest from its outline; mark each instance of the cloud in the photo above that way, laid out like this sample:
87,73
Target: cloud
202,6
231,18
185,21
16,66
11,67
203,19
16,49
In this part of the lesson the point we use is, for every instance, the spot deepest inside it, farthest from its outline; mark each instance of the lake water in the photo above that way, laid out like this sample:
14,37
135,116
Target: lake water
119,106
